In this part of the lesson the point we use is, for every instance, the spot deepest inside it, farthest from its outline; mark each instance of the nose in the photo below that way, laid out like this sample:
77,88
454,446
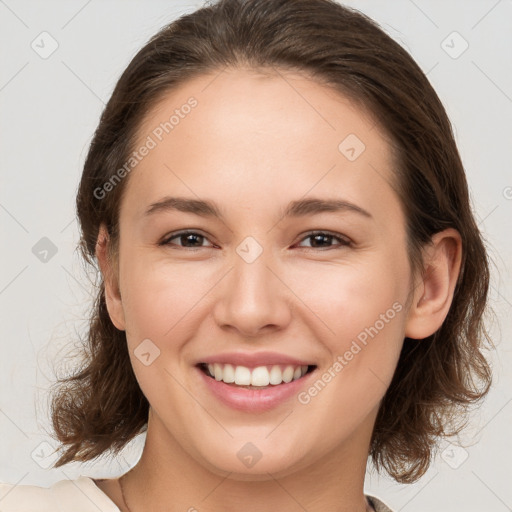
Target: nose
253,298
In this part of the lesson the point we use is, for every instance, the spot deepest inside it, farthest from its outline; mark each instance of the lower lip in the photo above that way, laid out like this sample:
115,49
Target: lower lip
254,400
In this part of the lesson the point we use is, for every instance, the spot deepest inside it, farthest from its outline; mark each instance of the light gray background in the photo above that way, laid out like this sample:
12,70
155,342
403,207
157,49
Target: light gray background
49,110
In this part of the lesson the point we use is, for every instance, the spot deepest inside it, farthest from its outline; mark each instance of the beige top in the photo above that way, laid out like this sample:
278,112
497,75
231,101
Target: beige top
80,495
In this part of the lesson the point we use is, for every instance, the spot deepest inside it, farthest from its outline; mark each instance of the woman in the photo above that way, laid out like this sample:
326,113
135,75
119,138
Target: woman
292,277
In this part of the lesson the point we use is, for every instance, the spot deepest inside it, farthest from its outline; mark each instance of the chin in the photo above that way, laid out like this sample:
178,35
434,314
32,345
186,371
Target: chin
243,461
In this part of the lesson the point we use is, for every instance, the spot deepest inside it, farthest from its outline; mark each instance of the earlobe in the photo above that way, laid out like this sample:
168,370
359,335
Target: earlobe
433,295
110,279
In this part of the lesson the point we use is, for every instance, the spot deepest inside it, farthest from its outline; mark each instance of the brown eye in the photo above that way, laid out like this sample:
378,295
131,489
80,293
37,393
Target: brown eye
322,239
187,239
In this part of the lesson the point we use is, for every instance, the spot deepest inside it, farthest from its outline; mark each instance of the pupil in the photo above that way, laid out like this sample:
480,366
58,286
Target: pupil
190,238
317,237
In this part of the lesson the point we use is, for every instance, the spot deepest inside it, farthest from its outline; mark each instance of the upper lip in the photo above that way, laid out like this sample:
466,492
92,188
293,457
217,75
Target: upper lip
254,359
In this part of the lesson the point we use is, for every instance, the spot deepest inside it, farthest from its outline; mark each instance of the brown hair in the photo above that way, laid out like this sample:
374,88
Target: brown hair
101,406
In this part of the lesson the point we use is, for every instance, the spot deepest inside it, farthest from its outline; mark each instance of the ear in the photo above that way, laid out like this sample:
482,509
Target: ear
110,278
433,293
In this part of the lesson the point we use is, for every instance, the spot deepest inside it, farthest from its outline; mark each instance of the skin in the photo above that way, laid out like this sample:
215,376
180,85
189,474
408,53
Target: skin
253,144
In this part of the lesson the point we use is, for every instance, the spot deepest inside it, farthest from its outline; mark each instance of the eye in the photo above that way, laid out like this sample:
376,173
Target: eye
194,240
322,238
189,239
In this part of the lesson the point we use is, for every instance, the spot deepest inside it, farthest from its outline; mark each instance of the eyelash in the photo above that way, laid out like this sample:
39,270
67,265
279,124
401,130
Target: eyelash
344,241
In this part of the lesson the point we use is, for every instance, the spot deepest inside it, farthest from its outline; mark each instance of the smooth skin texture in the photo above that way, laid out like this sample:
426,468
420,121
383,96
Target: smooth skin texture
253,144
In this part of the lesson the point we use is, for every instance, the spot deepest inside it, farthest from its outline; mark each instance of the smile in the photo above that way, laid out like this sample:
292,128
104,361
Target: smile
254,390
260,377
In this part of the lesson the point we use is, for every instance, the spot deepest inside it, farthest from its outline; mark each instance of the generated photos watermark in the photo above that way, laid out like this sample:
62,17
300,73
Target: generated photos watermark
152,140
343,360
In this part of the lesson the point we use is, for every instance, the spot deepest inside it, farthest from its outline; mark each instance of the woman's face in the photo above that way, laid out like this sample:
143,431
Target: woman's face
253,279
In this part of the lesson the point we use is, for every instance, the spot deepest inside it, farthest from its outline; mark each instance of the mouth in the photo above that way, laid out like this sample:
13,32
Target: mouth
257,378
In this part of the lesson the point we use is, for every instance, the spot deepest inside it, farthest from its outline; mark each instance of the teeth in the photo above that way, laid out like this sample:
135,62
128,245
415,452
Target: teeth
228,373
261,376
288,374
242,376
275,375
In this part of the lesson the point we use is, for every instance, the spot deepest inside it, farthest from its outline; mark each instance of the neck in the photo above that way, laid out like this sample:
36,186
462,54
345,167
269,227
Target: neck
168,478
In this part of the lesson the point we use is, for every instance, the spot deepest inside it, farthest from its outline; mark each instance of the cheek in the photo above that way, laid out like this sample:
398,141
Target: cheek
361,318
347,298
160,302
160,298
359,314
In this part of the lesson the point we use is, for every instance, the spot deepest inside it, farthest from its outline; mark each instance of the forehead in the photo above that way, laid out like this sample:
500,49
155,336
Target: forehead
241,135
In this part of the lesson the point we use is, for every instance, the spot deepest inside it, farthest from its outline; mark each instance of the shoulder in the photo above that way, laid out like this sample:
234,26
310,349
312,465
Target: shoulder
79,495
378,505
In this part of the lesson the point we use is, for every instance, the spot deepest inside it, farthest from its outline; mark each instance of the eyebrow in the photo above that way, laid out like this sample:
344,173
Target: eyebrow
298,208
